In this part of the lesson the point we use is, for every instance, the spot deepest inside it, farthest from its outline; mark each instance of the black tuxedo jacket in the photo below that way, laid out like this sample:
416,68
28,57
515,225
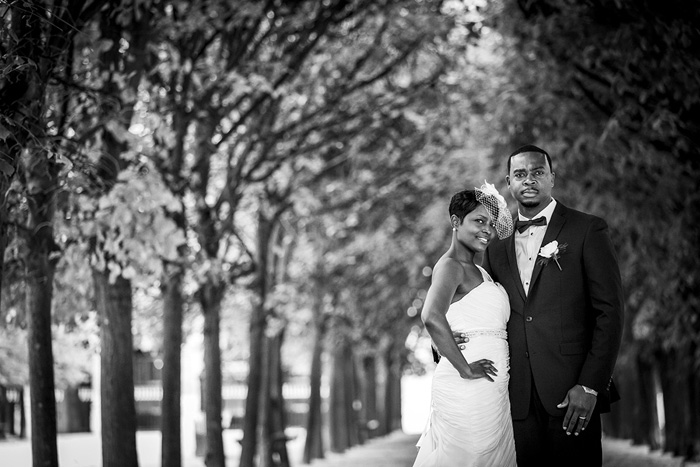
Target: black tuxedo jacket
567,329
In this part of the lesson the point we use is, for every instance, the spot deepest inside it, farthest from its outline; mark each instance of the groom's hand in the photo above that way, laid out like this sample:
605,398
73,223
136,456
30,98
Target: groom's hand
460,339
579,410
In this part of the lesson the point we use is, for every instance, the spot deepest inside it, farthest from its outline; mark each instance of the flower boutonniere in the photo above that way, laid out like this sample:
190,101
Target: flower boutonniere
552,250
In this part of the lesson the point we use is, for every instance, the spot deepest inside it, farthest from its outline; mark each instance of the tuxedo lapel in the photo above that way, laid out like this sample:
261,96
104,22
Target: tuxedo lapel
555,225
513,263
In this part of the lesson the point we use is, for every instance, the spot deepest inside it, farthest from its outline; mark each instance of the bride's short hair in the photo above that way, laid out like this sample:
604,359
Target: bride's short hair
462,203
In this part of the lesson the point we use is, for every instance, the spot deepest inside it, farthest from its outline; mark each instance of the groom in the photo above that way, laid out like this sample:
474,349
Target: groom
566,318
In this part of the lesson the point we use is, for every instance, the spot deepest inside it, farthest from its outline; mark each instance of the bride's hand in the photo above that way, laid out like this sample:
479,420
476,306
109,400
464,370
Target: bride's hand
480,369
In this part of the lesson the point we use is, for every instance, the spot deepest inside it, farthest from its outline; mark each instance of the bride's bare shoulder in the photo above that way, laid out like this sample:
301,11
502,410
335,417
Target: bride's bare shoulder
448,263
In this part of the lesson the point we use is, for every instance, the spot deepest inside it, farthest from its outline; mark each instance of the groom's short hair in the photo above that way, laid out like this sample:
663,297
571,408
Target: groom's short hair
530,148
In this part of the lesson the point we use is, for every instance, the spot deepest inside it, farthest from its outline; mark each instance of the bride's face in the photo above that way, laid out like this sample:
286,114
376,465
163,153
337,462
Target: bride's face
476,231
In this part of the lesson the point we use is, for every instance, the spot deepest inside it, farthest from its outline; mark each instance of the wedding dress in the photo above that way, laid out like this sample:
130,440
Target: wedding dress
470,424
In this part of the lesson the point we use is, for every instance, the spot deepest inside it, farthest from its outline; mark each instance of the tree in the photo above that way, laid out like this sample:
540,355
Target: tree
167,123
119,73
271,270
38,45
314,447
120,206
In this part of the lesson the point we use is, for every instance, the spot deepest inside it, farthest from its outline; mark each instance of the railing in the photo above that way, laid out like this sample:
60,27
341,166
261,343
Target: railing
148,398
289,391
12,395
153,393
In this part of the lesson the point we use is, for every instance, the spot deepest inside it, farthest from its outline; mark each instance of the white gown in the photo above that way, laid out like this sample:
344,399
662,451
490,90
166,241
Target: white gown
470,424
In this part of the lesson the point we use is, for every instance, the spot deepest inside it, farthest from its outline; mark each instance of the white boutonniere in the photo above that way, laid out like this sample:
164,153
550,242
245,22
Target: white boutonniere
552,250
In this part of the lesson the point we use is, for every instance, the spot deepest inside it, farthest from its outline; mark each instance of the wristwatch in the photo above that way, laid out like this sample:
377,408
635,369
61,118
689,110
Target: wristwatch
588,390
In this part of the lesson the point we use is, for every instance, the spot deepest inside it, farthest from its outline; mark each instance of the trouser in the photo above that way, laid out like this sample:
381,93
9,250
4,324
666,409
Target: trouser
540,439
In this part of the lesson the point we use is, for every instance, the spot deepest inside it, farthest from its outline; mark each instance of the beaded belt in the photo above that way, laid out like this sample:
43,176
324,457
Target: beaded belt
499,333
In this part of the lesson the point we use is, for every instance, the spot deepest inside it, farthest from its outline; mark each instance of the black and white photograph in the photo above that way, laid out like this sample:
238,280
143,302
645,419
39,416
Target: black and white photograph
349,233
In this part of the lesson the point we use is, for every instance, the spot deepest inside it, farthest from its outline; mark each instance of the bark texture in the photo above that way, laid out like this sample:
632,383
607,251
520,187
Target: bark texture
210,297
114,307
171,455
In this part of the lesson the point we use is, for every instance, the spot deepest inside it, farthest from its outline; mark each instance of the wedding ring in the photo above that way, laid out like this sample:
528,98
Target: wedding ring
582,418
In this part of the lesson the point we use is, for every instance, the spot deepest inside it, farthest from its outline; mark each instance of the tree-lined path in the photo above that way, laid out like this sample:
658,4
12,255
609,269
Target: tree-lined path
206,205
398,450
394,450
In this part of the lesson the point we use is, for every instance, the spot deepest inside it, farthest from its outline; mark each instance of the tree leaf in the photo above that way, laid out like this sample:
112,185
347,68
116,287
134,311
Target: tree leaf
6,168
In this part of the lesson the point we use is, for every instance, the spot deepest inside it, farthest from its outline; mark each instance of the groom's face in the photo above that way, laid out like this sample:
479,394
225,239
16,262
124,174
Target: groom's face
530,180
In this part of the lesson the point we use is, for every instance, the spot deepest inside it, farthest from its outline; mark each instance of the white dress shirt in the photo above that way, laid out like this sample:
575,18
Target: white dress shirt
528,243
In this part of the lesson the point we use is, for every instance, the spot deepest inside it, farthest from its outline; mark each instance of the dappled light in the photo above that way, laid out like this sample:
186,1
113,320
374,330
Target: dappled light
219,220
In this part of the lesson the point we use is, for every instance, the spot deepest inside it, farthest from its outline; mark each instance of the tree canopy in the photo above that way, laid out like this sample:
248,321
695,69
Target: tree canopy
287,163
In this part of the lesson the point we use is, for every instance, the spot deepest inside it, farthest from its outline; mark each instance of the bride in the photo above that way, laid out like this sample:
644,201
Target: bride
470,423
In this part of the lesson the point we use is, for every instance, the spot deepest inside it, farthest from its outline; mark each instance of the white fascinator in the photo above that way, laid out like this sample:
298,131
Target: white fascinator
497,207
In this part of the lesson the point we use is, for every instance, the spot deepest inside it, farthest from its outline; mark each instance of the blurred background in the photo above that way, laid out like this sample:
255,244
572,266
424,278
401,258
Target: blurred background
219,218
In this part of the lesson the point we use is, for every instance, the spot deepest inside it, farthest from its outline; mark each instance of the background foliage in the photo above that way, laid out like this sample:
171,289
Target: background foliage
348,125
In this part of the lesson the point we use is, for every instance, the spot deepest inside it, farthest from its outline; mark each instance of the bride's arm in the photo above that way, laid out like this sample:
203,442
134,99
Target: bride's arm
447,276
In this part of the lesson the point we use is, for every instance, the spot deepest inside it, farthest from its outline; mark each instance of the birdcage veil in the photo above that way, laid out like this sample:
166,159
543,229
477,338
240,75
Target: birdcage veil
496,205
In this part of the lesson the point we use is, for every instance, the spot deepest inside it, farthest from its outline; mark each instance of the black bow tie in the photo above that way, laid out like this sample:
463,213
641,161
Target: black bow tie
523,225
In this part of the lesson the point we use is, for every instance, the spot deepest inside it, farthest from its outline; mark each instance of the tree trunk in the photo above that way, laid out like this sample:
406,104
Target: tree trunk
277,420
694,408
631,417
117,371
359,405
4,419
264,448
252,403
210,298
12,413
338,415
646,425
41,377
313,447
22,415
382,391
343,417
369,399
258,323
676,386
353,397
171,169
40,182
39,283
114,300
77,417
394,391
392,394
272,440
171,453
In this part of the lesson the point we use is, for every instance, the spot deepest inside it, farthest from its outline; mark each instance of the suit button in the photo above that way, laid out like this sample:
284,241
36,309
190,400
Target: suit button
528,318
527,354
